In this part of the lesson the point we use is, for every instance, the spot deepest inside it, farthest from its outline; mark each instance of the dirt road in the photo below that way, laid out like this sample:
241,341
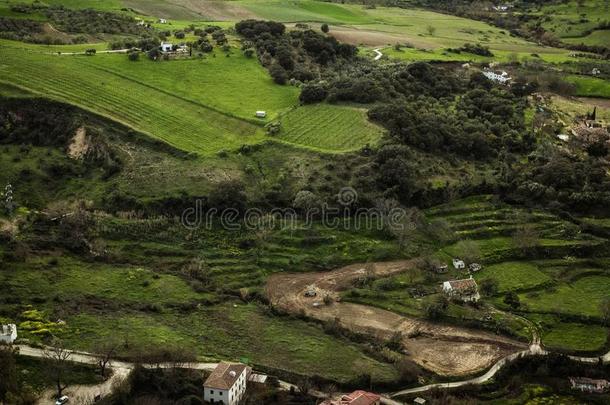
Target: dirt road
445,350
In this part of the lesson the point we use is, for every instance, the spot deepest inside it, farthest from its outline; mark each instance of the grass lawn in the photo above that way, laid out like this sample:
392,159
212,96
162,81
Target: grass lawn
599,37
71,279
329,127
590,86
575,336
581,297
514,275
232,332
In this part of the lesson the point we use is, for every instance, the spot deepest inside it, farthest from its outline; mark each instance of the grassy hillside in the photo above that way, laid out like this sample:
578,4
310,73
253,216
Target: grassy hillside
329,127
572,19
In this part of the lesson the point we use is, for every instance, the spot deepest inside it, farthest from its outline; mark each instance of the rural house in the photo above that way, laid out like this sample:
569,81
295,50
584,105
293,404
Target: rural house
459,264
261,114
355,398
589,385
419,401
167,47
227,383
8,333
465,290
474,267
501,78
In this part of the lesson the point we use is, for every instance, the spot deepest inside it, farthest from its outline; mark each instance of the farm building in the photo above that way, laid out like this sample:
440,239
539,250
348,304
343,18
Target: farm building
589,385
162,21
355,398
459,264
227,383
501,78
419,401
474,267
8,333
167,47
261,114
465,290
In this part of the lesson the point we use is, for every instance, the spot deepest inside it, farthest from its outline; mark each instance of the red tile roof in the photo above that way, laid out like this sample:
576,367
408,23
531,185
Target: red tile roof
224,375
358,397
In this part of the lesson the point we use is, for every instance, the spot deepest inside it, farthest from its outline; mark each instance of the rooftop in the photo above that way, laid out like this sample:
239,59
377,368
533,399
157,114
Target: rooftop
465,284
224,375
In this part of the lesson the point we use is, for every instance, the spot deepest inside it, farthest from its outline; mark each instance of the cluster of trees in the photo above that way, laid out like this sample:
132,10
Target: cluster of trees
90,21
295,55
475,49
562,181
19,29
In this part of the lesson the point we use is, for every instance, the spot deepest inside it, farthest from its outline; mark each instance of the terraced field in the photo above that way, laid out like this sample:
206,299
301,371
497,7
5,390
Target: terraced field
329,127
557,278
150,301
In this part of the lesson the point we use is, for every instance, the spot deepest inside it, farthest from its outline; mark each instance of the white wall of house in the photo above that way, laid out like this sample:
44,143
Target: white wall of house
8,333
231,396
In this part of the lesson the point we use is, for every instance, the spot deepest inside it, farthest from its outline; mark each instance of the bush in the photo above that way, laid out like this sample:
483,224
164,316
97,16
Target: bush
312,93
278,74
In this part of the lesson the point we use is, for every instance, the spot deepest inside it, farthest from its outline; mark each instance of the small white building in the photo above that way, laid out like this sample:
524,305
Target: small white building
227,384
419,401
465,290
459,264
167,47
162,21
261,114
501,78
8,333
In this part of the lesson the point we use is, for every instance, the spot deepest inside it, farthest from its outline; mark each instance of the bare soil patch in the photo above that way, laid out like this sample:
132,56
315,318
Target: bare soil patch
443,349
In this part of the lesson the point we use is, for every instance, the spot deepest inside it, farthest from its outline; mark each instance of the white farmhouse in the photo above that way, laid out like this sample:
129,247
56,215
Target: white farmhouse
459,264
465,290
227,383
167,47
501,78
261,114
8,333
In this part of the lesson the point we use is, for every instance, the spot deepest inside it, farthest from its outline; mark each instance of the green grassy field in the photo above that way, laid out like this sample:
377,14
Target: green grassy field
329,127
514,276
571,19
590,86
575,336
150,306
582,296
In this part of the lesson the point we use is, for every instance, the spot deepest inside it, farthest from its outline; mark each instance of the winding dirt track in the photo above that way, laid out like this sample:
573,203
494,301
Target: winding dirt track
445,350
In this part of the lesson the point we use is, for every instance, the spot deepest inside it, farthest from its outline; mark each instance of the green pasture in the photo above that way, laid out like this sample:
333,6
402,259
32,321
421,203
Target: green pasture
572,18
590,86
582,297
211,331
514,276
329,127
